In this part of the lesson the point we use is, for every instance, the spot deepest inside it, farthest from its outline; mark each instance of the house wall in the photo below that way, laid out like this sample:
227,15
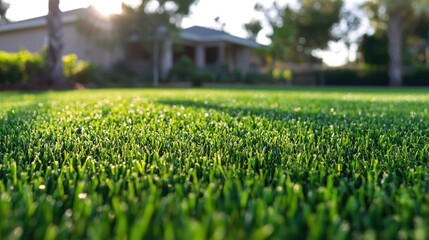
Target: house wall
35,39
30,39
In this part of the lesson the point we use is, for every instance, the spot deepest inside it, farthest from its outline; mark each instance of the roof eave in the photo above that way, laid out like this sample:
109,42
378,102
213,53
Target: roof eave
219,38
33,23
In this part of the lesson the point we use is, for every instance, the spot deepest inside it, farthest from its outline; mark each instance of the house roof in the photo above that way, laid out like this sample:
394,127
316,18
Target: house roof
195,33
67,17
203,34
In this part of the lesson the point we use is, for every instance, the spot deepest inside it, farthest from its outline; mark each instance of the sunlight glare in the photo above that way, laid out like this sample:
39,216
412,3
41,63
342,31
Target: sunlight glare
107,7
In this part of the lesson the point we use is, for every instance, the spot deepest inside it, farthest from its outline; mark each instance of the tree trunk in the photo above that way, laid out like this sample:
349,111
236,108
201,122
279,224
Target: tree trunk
3,9
55,44
395,47
155,63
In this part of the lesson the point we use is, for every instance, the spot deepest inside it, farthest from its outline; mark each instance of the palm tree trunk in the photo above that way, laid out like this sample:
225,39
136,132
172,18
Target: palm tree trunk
3,9
395,47
55,45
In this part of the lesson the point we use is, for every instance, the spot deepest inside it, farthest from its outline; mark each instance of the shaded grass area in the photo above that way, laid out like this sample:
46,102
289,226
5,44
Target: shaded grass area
215,163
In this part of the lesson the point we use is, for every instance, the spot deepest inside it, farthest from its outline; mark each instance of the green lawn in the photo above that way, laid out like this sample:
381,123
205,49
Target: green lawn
215,164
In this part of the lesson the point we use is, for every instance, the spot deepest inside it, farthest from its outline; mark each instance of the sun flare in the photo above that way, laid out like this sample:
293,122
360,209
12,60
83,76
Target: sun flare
107,7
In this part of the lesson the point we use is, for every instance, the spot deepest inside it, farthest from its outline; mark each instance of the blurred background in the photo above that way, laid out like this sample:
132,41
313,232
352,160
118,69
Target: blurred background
208,42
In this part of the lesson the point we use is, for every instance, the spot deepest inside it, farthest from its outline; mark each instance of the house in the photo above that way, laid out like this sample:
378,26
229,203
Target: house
32,35
207,48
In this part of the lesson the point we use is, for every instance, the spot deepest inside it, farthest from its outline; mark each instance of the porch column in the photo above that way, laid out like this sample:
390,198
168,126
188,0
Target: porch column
222,53
200,56
167,57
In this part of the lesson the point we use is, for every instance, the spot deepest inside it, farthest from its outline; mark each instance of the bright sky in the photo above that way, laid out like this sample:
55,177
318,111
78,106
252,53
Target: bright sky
234,13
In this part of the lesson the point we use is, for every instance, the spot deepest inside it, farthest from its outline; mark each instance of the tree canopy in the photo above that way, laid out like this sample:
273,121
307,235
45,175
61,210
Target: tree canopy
391,16
297,32
149,17
253,28
347,27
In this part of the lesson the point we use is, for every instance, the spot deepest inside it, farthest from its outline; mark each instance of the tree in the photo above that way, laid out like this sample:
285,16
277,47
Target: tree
149,26
297,32
253,28
392,14
420,39
349,24
4,6
373,49
55,44
220,24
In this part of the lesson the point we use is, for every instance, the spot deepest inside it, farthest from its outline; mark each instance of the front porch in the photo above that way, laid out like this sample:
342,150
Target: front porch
211,56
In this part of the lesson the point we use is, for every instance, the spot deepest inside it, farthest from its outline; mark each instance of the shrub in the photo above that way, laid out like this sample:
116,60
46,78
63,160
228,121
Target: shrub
254,77
238,75
419,76
356,77
285,75
183,70
88,73
20,67
122,74
80,71
201,76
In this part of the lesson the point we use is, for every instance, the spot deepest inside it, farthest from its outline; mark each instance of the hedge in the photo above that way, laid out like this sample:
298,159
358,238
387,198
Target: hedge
22,67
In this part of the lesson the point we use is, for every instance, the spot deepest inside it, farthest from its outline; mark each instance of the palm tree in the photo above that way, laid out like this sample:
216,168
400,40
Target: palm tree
55,44
3,9
396,12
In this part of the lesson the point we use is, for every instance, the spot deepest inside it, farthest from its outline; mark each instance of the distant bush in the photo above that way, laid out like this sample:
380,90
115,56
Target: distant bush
121,74
369,76
183,70
356,77
257,77
282,74
20,67
419,76
201,76
80,71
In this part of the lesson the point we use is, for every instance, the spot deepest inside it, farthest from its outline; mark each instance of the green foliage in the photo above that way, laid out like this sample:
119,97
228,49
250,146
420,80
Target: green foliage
368,76
391,16
418,76
121,74
255,78
183,70
20,67
77,70
146,24
374,49
201,76
253,28
297,32
215,164
23,67
282,74
421,28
